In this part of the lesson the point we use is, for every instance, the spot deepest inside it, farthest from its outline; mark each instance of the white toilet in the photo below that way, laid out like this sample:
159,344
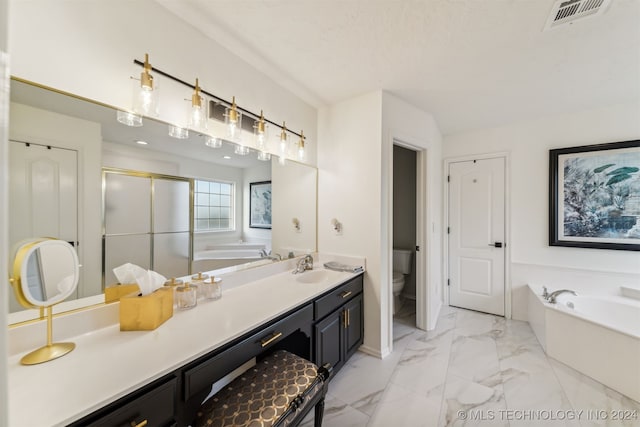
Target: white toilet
401,267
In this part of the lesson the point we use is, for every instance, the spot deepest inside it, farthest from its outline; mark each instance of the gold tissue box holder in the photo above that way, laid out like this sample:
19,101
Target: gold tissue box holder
146,313
113,293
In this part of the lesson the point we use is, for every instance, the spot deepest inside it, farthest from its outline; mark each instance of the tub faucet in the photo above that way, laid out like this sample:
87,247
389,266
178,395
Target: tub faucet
553,295
304,264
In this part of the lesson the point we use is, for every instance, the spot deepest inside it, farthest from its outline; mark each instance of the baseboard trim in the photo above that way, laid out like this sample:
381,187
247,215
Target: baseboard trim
374,352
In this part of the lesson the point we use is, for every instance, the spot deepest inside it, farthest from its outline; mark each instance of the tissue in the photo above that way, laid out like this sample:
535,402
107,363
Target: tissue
127,273
147,280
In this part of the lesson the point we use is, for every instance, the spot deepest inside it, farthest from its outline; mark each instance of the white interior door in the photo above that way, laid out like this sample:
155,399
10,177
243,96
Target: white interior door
43,193
476,235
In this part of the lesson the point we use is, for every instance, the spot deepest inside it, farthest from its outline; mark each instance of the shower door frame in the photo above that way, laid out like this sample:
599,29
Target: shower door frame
152,176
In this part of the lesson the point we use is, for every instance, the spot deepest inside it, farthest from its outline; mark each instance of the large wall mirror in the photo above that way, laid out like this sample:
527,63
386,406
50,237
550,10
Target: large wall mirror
135,194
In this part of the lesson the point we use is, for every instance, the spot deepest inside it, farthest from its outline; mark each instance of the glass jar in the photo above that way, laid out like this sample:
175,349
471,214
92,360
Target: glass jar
187,296
197,280
212,288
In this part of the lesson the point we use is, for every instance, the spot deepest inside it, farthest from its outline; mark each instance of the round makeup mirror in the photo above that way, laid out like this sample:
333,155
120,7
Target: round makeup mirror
45,272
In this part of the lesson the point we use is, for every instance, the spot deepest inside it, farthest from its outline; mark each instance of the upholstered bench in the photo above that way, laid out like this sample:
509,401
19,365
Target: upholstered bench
279,391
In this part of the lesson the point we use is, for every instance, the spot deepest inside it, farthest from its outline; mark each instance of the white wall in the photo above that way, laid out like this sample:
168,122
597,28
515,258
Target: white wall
355,161
4,230
88,48
83,136
349,189
528,144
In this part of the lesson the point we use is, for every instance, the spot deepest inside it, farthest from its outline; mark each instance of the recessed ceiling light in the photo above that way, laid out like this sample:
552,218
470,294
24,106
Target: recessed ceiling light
139,141
226,157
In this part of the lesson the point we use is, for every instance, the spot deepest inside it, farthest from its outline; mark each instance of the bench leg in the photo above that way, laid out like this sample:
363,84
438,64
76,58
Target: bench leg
319,412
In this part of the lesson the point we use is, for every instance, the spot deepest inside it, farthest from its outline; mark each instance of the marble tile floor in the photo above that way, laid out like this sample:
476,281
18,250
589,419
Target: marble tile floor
472,369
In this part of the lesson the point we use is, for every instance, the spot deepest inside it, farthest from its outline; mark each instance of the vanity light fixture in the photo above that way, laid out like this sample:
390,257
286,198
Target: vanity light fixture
301,146
198,111
260,129
145,98
129,119
213,142
178,132
146,103
233,120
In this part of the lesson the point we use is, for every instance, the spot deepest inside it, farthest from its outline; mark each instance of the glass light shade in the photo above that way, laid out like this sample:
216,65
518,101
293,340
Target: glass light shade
129,119
145,99
213,142
233,120
198,113
264,156
178,132
198,116
261,132
301,146
241,150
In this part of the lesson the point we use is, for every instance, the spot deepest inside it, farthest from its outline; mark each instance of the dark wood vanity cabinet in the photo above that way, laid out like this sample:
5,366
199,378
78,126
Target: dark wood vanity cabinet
153,405
339,333
327,329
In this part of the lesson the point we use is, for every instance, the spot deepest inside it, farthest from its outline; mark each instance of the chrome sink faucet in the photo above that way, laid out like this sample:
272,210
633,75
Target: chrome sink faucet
304,264
553,295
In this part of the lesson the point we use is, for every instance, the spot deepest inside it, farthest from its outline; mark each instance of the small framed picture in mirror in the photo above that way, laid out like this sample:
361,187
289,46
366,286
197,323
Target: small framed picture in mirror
260,204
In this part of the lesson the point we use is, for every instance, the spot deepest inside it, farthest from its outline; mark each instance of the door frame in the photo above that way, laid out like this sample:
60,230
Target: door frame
507,222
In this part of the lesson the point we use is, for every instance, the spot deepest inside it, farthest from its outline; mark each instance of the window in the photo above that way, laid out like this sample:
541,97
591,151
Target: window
213,210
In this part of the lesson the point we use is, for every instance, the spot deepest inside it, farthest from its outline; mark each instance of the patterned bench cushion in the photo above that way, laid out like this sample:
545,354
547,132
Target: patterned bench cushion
260,396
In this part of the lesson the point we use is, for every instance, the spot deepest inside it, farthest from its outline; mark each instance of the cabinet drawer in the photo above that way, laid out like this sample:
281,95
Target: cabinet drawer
211,370
337,297
155,406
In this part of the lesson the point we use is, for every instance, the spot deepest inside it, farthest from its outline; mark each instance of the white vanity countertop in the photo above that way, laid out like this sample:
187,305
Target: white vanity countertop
108,364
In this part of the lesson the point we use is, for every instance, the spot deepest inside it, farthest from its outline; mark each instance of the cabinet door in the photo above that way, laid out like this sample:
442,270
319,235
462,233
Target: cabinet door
329,341
354,331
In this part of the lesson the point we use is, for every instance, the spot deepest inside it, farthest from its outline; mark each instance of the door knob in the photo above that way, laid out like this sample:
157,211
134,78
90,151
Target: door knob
496,244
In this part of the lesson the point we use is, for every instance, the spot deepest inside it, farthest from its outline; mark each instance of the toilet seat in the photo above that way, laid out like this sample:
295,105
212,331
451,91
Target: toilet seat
397,277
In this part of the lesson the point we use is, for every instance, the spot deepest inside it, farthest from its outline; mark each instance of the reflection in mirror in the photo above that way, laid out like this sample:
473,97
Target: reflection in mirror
45,272
60,145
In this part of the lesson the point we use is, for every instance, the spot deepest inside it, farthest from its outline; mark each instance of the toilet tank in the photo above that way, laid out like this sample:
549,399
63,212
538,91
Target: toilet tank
402,261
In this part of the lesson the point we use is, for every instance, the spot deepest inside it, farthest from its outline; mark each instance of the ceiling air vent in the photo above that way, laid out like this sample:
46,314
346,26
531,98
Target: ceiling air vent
567,11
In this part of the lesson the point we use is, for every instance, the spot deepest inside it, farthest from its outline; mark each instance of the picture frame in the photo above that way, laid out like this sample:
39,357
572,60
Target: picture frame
594,196
260,204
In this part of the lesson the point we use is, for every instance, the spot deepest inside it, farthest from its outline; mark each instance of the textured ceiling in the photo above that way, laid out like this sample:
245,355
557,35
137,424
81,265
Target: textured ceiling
471,63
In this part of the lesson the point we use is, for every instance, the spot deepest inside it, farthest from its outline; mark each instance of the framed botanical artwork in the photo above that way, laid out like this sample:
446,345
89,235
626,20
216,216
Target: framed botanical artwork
260,204
595,196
